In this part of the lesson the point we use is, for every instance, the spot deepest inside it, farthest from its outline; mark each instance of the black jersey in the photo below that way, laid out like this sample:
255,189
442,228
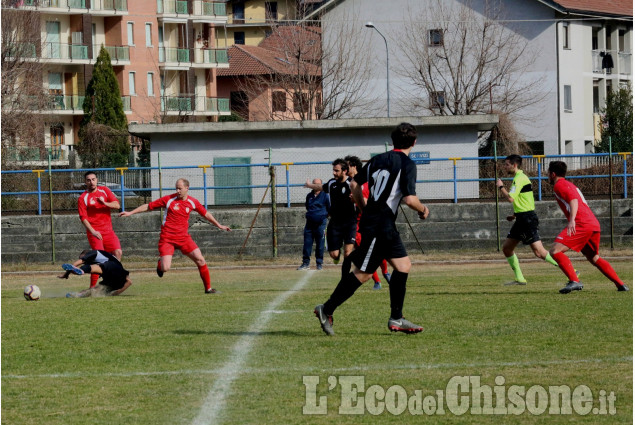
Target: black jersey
390,176
342,207
98,257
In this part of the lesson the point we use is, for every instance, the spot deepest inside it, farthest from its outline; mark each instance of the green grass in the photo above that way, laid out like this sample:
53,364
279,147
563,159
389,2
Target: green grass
152,355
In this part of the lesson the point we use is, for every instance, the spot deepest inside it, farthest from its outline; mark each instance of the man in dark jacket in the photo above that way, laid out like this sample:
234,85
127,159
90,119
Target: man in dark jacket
317,205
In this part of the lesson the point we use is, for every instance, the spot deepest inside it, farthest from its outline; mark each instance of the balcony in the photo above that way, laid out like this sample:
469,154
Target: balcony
55,6
66,105
621,62
172,7
625,63
174,58
194,105
210,58
65,53
211,12
22,50
119,55
109,7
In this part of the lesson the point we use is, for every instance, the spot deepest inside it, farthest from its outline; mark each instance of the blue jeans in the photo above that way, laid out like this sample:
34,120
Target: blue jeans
313,231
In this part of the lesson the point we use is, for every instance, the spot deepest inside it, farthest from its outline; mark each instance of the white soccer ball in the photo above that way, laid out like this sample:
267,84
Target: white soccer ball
32,293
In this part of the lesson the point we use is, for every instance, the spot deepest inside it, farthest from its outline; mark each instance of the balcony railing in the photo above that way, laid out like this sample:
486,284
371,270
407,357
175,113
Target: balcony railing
67,103
208,8
106,5
64,51
172,6
190,104
23,50
117,53
171,54
65,4
211,56
624,63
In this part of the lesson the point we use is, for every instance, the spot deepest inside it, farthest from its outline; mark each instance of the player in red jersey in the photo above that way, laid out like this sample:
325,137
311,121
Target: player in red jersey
582,233
94,207
174,229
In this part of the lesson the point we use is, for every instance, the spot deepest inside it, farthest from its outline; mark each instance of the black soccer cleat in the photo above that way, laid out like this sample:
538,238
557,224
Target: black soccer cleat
571,286
211,291
326,321
622,288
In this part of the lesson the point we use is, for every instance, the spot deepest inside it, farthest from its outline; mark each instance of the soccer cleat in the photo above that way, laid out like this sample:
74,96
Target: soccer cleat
211,291
387,276
71,295
571,286
623,288
159,271
326,322
71,268
377,285
337,260
403,325
318,267
516,282
304,267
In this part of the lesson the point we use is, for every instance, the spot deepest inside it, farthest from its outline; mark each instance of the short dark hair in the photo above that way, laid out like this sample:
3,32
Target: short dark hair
558,167
88,173
343,164
354,161
515,159
83,253
404,136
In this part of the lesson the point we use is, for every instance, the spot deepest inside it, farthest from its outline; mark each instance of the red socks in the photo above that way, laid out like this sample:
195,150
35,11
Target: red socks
565,265
204,272
376,277
384,267
608,271
94,277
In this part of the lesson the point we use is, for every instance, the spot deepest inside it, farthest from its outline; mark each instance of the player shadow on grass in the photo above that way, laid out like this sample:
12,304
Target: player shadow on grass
240,333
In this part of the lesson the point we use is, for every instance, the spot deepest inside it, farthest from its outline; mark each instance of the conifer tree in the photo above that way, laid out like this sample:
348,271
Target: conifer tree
616,121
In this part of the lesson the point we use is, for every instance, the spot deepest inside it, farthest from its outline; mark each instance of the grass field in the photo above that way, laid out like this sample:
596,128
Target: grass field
164,353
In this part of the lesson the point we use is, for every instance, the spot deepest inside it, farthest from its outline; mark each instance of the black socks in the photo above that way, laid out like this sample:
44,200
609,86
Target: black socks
397,287
343,291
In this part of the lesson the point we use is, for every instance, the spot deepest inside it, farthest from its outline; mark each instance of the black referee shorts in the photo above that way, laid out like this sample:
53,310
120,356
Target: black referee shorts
525,228
113,275
338,233
374,249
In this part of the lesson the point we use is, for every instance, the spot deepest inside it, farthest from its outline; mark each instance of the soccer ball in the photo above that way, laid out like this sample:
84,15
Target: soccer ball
32,293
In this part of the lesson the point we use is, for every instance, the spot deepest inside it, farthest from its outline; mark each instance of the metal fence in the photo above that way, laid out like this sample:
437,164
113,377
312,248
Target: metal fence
228,182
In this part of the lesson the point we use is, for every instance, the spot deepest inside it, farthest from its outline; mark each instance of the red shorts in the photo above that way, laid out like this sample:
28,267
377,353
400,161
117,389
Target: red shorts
185,244
109,242
581,239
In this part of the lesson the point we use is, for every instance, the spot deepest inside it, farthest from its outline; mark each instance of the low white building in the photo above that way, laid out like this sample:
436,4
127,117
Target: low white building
231,159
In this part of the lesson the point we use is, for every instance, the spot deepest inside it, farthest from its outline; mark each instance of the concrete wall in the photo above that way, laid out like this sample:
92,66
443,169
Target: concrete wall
449,227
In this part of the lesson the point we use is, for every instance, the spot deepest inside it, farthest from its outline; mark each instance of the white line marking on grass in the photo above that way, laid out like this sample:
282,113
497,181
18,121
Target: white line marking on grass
216,398
368,368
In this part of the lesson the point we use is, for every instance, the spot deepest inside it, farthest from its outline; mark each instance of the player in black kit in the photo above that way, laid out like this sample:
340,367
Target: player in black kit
391,179
115,279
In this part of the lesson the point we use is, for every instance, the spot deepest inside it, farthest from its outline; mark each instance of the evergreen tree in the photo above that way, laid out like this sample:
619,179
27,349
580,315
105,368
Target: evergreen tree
616,121
103,107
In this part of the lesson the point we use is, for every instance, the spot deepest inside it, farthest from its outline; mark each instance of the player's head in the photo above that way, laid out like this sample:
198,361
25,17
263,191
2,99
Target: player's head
556,169
513,163
83,254
182,186
354,165
90,179
404,136
340,169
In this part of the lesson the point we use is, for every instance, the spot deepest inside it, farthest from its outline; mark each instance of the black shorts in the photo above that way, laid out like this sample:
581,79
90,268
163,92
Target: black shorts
338,233
373,250
113,275
525,228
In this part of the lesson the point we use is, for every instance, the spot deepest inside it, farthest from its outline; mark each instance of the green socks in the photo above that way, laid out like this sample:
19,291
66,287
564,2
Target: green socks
515,265
549,259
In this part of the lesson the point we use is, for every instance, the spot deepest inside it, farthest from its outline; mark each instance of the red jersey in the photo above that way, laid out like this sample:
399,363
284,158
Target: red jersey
97,214
565,192
177,214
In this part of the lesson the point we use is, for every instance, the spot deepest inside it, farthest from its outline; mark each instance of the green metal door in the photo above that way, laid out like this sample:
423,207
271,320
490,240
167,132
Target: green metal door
234,177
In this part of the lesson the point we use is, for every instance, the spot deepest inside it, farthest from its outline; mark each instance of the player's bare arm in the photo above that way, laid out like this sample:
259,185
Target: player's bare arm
209,217
139,209
115,205
572,215
312,186
358,196
414,203
90,228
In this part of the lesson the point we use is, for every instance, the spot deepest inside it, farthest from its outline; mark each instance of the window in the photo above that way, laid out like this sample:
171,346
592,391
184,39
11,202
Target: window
239,104
301,102
565,35
437,99
588,146
148,35
271,11
238,12
567,99
150,83
568,147
130,34
131,83
57,140
239,37
279,101
435,37
537,147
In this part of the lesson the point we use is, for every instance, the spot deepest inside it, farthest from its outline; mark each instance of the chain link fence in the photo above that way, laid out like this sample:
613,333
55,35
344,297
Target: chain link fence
235,182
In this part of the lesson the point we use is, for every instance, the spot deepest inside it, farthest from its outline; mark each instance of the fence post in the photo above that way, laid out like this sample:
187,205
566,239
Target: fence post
274,211
39,190
611,190
286,164
204,167
624,155
539,158
123,196
51,202
456,200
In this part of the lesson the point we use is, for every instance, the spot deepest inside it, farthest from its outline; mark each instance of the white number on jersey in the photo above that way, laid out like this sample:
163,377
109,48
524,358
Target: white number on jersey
381,179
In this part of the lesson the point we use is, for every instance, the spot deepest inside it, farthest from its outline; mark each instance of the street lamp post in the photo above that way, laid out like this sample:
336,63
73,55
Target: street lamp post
371,25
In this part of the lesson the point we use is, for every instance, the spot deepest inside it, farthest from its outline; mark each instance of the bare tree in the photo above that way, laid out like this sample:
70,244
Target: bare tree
23,93
467,62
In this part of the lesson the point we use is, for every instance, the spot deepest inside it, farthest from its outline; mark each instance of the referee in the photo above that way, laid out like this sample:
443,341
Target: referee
525,229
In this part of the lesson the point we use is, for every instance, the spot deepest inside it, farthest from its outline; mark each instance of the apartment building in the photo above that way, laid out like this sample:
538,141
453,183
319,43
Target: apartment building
164,53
